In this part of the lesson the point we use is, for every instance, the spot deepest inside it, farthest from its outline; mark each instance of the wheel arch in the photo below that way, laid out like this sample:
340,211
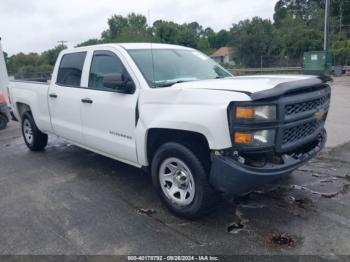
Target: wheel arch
22,108
158,136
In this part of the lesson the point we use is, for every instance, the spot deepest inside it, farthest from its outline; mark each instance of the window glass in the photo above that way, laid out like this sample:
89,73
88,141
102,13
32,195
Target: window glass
71,67
106,71
165,67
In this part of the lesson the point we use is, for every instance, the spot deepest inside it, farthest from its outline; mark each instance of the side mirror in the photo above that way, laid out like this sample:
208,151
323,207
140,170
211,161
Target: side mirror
113,80
121,83
129,87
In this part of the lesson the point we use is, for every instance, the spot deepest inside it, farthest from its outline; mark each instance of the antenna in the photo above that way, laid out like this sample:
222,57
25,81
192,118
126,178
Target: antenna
153,73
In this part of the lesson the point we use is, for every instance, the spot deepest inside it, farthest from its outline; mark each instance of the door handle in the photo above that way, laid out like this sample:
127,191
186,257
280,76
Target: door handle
53,95
87,101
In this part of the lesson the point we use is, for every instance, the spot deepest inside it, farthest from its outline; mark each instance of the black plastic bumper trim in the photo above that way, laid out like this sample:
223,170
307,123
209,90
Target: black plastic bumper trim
233,178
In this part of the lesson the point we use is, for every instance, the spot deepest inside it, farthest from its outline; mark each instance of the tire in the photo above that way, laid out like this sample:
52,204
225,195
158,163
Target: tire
188,198
3,122
33,137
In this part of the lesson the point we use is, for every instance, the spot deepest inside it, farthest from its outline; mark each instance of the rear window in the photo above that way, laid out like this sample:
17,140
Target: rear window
70,70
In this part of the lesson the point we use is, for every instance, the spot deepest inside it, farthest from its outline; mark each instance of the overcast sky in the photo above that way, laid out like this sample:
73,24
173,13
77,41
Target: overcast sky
37,25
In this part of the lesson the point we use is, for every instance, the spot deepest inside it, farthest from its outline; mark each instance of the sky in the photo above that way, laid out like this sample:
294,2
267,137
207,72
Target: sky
36,25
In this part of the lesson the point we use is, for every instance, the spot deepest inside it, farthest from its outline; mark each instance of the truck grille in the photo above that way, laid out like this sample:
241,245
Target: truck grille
298,132
294,109
306,106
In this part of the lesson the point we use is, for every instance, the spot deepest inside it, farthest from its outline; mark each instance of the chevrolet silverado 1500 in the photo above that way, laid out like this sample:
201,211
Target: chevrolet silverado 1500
172,110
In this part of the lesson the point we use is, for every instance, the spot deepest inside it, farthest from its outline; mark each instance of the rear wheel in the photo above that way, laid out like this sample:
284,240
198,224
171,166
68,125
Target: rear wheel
33,137
180,178
3,122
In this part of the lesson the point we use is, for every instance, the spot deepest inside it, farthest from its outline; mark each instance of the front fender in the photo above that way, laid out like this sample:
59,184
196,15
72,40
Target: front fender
210,122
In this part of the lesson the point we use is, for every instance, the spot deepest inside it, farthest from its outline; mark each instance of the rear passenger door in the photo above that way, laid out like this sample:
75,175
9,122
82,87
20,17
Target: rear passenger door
65,95
108,117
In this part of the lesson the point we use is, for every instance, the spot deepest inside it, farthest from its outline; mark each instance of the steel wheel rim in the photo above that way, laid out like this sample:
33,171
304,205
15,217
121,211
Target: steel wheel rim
176,181
28,131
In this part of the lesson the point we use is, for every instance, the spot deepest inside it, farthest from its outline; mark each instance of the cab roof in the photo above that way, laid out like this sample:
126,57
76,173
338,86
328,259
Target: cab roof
134,46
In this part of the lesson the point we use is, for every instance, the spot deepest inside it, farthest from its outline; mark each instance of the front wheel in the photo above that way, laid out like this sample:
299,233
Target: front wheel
180,178
33,137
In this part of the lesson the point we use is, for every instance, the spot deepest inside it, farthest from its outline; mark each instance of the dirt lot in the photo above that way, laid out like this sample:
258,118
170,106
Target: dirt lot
67,200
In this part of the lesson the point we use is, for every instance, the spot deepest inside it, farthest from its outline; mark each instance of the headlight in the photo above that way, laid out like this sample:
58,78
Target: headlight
255,138
255,113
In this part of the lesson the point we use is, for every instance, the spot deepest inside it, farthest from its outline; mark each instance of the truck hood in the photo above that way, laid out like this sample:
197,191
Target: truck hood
250,84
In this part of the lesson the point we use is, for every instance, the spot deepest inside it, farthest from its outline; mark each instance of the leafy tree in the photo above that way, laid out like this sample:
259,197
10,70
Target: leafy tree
50,56
33,63
116,24
342,52
297,9
166,32
253,39
297,27
187,36
222,38
132,28
92,41
295,38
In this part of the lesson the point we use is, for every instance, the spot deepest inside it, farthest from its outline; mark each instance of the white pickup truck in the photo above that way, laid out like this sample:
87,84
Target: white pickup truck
172,110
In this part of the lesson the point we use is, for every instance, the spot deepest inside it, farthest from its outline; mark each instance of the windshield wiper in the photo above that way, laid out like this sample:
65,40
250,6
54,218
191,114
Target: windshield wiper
167,84
220,77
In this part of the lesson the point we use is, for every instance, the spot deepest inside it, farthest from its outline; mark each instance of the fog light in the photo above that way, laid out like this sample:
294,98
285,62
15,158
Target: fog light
256,138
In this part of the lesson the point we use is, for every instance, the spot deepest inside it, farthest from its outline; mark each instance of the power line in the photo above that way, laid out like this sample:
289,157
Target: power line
62,42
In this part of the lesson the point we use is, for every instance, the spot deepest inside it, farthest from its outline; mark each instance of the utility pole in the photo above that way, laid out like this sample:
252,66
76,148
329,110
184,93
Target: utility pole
325,31
62,42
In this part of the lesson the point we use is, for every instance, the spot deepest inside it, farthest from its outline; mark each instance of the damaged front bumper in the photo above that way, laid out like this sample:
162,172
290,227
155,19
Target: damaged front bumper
232,177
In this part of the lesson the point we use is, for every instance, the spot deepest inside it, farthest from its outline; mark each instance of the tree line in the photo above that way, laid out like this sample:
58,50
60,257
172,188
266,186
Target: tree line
297,27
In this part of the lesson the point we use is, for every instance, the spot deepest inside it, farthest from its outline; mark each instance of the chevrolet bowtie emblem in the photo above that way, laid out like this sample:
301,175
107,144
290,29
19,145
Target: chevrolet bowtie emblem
319,114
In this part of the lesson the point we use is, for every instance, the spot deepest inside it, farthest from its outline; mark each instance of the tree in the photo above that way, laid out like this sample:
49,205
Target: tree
132,28
296,9
297,27
33,63
116,24
187,36
342,52
50,56
92,41
166,32
340,22
222,38
251,40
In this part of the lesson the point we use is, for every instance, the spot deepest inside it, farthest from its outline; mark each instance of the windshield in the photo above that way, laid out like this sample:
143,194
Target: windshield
165,67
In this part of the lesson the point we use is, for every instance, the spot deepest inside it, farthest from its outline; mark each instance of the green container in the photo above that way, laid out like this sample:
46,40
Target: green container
318,63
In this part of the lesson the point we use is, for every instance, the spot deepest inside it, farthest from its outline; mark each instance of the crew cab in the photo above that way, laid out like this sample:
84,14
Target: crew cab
173,111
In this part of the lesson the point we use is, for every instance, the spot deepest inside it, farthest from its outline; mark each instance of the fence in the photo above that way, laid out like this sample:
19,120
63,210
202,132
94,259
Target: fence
269,70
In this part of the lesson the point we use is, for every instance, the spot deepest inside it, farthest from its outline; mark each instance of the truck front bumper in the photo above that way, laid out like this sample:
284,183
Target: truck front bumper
234,178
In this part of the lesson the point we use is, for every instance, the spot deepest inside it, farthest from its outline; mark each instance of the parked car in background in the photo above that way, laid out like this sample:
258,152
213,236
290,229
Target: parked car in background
4,112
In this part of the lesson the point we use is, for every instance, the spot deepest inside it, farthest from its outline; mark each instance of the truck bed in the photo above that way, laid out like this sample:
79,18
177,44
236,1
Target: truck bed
34,95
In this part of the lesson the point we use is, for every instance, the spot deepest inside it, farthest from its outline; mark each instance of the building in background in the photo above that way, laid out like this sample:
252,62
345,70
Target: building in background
223,55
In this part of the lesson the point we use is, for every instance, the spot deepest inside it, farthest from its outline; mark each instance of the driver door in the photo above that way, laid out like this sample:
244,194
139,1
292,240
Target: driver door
108,117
